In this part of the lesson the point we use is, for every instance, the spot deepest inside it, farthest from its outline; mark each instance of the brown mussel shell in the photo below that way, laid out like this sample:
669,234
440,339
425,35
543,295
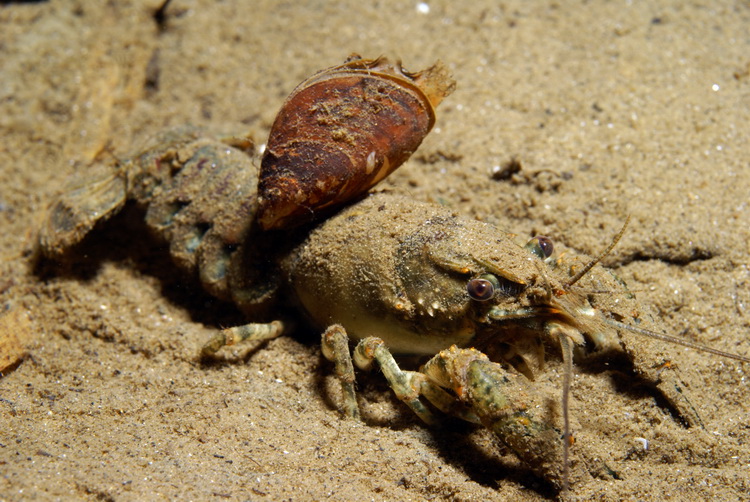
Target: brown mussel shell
342,131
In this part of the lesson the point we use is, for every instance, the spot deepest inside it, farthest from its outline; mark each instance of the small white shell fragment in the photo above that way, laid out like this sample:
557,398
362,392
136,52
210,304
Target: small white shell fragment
644,443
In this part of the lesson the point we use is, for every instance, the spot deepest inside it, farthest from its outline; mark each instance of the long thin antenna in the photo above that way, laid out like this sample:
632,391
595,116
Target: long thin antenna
566,346
675,340
596,260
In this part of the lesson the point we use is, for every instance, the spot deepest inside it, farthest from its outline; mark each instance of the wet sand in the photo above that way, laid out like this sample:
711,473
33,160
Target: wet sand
611,109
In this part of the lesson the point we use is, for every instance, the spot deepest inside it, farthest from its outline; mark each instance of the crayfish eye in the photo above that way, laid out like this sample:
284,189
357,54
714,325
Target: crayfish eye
482,288
541,246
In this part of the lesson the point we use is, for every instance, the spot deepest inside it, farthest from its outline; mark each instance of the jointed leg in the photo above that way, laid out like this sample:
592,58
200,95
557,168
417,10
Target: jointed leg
406,384
335,346
230,336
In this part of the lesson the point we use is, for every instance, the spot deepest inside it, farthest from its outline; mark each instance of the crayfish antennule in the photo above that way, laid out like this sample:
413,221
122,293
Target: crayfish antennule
599,258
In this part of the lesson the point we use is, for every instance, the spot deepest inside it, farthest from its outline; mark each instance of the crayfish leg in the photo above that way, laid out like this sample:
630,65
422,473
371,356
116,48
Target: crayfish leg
236,334
407,385
517,413
335,347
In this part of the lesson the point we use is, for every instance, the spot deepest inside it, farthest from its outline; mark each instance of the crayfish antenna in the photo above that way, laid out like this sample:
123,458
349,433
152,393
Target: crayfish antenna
568,338
592,263
566,345
675,340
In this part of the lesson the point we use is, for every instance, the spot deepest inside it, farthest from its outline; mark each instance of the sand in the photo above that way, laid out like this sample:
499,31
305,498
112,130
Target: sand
611,109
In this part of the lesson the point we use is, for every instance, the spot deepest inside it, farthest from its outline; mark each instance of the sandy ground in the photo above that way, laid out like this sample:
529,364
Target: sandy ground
611,108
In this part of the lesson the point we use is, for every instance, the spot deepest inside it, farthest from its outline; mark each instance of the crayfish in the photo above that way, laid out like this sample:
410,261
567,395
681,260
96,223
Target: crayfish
394,275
